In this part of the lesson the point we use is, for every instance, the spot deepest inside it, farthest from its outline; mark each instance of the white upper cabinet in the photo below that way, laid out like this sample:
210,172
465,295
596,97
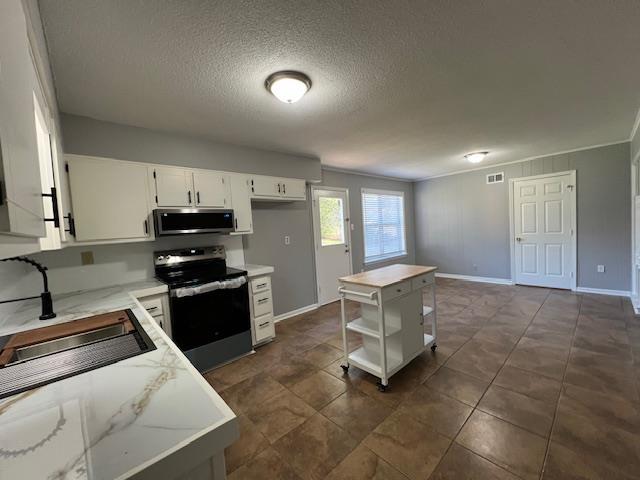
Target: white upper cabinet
174,187
21,202
293,189
241,203
210,189
274,188
265,187
110,199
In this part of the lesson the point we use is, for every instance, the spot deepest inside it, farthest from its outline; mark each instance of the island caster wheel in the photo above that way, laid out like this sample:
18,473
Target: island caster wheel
345,368
433,347
381,387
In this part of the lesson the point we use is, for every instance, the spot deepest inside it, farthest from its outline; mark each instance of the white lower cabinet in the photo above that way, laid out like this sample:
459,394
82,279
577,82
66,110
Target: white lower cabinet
158,308
261,306
110,199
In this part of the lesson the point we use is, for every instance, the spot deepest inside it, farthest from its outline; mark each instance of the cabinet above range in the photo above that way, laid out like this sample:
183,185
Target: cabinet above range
113,200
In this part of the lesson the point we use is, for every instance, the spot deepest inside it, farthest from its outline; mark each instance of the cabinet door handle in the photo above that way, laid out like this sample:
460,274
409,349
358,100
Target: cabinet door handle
146,227
279,189
198,197
399,290
189,196
236,220
284,188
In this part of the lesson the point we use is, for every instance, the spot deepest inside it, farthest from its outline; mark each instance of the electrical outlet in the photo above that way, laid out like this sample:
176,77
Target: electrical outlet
287,240
86,258
600,268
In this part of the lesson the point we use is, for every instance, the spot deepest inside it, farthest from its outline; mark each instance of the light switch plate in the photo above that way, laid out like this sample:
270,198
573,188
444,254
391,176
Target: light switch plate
87,258
287,240
600,268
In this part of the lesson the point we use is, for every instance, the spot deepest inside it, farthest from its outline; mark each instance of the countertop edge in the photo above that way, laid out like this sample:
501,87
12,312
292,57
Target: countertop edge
429,269
231,431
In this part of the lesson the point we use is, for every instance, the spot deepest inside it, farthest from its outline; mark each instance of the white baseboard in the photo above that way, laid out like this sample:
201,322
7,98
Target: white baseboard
293,313
604,291
470,278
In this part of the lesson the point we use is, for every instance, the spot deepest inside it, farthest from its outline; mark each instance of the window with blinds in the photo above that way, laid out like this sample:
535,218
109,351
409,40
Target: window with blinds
383,223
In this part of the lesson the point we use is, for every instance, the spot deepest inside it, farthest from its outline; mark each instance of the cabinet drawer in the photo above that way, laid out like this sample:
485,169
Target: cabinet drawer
422,281
264,327
260,284
153,306
262,304
396,290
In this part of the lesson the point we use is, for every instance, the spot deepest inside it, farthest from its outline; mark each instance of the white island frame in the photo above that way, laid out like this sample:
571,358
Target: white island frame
392,320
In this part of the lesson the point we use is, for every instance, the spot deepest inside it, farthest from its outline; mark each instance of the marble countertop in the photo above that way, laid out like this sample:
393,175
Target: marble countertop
255,270
150,416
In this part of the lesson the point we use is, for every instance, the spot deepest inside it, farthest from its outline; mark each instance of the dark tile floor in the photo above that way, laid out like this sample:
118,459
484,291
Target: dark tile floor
526,383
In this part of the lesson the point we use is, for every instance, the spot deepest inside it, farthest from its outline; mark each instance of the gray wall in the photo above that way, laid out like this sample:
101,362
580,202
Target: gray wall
294,280
355,183
462,224
86,136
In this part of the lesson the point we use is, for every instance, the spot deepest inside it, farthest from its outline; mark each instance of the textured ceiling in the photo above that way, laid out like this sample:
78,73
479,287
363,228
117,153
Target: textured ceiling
401,88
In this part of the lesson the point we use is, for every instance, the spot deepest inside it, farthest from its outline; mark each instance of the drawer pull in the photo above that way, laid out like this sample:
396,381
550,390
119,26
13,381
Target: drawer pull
424,281
151,308
261,285
263,324
262,300
399,290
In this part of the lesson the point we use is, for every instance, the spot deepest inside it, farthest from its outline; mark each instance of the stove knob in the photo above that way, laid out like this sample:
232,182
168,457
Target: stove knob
160,258
167,258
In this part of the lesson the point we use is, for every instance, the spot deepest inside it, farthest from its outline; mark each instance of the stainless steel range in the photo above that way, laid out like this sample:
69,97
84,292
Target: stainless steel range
210,319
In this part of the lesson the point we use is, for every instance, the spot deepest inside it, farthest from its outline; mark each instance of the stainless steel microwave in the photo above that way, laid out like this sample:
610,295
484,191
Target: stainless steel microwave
192,220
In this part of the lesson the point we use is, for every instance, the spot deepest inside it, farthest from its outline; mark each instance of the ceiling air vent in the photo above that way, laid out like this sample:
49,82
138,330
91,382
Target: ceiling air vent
495,177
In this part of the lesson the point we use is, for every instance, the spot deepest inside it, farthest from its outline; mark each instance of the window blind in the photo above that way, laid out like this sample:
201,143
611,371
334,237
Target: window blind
383,221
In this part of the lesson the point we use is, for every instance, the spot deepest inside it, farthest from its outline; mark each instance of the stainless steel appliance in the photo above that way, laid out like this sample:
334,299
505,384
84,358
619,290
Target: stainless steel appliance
192,220
210,320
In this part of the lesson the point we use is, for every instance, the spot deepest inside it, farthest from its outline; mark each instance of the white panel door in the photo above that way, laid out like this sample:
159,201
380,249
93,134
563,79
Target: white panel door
543,211
210,189
174,187
331,231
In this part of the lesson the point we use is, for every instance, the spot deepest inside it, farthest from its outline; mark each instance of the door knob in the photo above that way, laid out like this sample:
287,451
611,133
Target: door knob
518,239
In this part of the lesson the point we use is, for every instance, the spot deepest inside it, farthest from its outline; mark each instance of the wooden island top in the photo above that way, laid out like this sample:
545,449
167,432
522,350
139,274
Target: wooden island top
385,276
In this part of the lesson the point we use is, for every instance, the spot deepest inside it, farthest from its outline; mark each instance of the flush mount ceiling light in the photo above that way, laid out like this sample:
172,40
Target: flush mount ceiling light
476,157
288,86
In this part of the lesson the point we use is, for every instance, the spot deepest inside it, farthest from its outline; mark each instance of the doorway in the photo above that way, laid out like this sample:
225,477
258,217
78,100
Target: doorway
332,238
543,230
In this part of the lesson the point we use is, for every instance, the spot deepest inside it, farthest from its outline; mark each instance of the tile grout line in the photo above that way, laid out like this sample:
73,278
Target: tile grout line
453,440
564,374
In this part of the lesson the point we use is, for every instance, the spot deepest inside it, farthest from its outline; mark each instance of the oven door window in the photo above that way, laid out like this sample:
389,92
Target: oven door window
208,317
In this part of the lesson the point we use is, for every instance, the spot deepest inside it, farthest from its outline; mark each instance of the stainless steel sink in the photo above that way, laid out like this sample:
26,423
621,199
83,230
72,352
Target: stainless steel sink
60,344
45,362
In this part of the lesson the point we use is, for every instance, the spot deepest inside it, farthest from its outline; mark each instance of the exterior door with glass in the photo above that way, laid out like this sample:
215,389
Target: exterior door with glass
331,228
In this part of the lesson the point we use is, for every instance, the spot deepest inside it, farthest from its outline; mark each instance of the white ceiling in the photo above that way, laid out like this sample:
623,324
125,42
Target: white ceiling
400,88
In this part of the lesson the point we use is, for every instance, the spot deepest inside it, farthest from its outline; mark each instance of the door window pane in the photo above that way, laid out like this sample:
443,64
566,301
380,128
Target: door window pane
331,221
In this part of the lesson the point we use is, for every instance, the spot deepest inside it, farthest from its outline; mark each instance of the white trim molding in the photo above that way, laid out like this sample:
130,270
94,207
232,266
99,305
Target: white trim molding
470,278
604,291
293,313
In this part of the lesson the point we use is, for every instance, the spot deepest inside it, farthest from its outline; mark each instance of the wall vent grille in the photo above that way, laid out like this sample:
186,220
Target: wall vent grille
495,178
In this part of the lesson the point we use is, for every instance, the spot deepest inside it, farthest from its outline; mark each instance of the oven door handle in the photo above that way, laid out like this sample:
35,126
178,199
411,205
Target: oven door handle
209,287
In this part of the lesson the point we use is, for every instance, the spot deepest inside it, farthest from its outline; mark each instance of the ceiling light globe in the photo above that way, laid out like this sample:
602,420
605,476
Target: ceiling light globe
288,87
476,157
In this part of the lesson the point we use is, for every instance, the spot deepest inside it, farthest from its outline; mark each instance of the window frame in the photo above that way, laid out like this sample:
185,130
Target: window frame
396,255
